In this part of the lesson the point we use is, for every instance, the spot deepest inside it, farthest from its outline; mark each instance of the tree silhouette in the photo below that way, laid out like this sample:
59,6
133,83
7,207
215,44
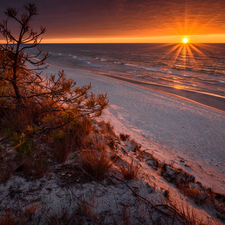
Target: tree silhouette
54,101
14,51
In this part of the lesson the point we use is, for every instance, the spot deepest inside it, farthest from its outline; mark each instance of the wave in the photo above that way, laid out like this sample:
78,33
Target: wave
162,70
86,50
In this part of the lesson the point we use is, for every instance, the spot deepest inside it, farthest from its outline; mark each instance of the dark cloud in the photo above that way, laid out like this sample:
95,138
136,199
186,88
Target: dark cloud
94,18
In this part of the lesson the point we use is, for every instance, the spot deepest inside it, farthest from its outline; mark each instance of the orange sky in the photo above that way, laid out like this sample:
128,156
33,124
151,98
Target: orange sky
127,21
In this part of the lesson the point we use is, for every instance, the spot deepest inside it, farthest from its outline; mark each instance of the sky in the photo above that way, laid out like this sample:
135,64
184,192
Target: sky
131,21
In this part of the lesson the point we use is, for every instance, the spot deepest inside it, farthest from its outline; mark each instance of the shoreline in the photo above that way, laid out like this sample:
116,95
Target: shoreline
205,99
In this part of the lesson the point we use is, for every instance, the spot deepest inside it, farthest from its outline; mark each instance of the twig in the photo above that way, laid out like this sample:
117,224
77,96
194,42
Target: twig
148,202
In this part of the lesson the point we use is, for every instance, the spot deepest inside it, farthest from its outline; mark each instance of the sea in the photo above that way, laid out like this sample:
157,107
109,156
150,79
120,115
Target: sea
193,67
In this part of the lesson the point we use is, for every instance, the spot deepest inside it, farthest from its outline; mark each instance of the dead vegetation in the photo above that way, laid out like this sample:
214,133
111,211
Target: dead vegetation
95,163
129,170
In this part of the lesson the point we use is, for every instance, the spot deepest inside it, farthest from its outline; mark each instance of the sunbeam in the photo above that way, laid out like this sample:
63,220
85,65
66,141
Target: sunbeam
190,53
176,55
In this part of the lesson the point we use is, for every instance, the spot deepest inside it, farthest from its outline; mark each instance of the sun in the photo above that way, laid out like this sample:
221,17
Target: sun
185,40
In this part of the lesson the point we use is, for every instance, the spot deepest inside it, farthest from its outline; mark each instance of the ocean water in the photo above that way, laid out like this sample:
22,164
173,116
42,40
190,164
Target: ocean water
195,67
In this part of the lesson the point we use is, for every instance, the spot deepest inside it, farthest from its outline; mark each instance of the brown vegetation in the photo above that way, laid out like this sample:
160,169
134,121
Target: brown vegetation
130,170
96,163
36,111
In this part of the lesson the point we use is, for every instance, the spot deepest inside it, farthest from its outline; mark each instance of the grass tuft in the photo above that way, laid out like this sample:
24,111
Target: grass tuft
8,219
95,163
129,171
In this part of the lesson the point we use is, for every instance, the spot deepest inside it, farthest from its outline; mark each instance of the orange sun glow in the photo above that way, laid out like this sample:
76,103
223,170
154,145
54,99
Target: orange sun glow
185,40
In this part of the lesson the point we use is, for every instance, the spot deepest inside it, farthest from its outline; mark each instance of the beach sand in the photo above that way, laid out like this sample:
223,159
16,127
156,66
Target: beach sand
189,135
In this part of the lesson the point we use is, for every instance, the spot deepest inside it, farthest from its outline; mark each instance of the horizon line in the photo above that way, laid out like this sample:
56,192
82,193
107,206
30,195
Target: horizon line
194,39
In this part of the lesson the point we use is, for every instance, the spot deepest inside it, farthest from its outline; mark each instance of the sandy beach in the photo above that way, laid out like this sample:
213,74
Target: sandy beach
176,145
191,136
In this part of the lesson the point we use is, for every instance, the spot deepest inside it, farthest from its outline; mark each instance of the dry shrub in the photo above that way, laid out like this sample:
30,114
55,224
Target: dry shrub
124,137
62,146
107,128
99,144
79,131
130,170
187,216
198,196
36,166
95,163
192,192
111,143
74,136
18,120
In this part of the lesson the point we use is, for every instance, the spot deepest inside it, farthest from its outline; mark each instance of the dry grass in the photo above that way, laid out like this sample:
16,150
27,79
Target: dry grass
126,217
187,217
111,143
36,167
8,219
18,120
106,127
70,138
129,171
199,197
95,163
62,146
79,131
